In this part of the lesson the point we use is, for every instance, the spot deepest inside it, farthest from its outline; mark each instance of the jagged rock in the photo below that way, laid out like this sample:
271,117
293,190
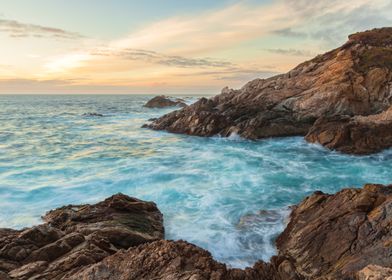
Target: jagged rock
178,260
353,80
335,236
342,236
77,235
162,101
354,135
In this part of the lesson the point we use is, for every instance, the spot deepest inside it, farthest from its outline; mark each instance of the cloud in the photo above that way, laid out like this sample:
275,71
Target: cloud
235,73
212,48
18,29
288,32
330,22
366,16
294,52
160,58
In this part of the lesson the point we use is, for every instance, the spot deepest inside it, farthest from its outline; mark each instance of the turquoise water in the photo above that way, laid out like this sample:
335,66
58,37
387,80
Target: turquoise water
51,155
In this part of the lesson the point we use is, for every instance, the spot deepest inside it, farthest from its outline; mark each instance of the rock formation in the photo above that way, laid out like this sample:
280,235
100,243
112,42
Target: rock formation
163,101
353,80
342,236
77,235
355,135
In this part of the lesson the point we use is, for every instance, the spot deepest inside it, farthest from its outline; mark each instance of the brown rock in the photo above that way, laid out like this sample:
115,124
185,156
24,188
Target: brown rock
353,80
78,235
335,236
375,272
354,135
162,101
342,236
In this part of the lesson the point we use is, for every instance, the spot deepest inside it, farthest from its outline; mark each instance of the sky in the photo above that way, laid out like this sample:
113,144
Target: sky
168,46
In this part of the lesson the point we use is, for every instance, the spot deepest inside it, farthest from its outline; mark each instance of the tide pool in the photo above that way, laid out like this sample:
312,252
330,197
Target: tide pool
210,190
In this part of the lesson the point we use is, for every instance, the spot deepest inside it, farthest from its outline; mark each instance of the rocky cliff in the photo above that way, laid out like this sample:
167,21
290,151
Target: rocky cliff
353,80
342,236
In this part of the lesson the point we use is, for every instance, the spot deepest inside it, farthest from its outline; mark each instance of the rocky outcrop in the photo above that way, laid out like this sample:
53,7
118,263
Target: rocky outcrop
354,135
75,236
178,260
163,101
342,236
335,236
353,80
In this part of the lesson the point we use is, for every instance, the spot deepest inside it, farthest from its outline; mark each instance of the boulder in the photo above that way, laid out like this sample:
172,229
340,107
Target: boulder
78,235
163,101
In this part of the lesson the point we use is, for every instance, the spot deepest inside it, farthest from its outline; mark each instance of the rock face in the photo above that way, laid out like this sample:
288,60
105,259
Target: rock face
164,101
353,80
354,135
335,236
342,236
77,235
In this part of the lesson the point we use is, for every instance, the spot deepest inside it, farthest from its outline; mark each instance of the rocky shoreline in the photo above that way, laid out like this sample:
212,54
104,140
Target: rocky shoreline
332,99
346,235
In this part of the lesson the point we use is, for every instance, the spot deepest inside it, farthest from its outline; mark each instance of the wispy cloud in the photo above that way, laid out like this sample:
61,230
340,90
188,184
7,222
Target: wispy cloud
160,58
212,49
18,29
294,52
329,22
289,32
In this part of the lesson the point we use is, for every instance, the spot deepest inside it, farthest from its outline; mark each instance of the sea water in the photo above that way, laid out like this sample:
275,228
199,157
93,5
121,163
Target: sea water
228,195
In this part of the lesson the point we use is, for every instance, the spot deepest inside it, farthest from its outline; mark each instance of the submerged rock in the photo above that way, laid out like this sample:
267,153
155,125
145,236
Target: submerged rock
342,236
353,80
163,101
93,114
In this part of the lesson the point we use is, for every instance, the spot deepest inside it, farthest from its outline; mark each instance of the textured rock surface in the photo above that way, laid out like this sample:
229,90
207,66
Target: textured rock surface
375,272
342,236
355,79
164,101
337,235
76,236
355,135
178,260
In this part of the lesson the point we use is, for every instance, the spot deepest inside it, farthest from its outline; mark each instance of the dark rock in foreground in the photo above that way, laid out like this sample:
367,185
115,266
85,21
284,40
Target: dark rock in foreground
353,80
163,101
77,236
342,236
335,236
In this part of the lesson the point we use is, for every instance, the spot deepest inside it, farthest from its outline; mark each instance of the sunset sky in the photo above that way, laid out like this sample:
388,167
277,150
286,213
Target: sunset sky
167,46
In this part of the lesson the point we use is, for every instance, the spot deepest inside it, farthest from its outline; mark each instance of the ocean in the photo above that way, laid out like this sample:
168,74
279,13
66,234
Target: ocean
230,196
